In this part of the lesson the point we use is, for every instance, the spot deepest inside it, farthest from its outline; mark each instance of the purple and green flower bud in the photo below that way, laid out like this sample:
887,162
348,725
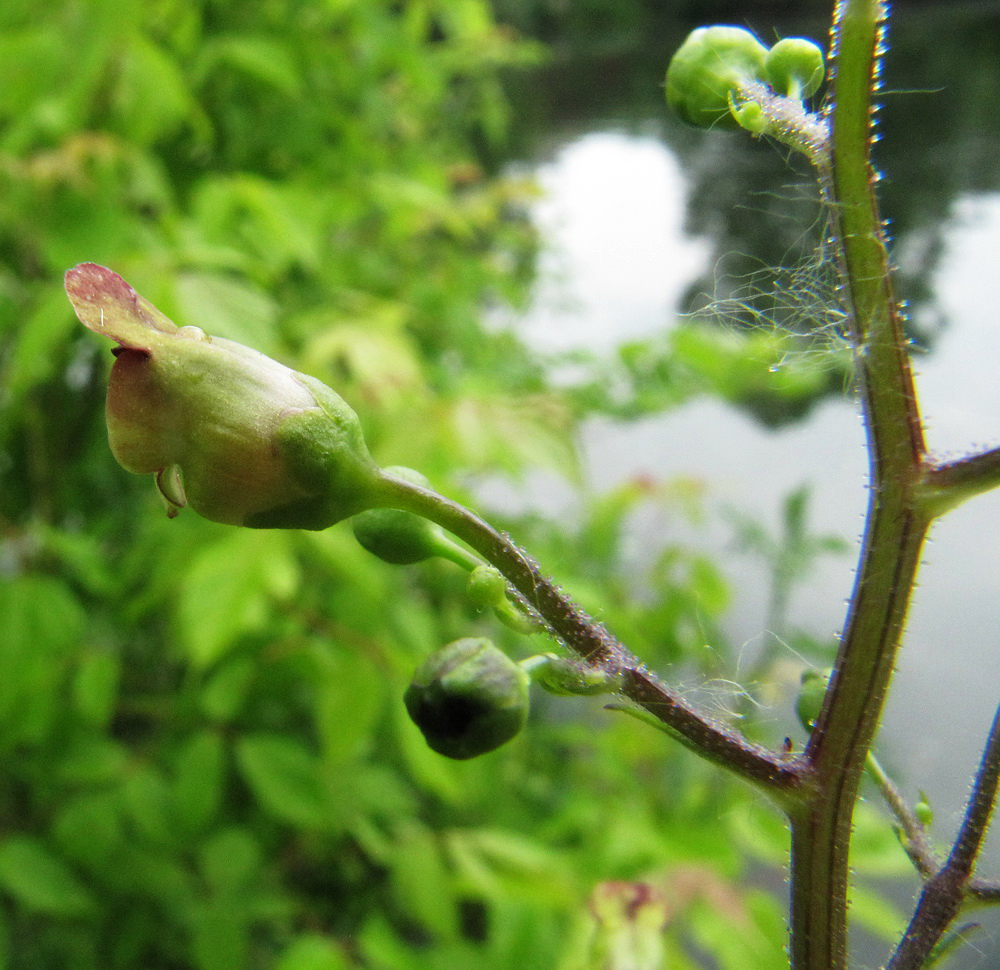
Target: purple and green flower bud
468,698
795,67
708,70
239,437
628,919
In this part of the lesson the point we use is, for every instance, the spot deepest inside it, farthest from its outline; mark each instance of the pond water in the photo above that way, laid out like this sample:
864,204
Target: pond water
628,235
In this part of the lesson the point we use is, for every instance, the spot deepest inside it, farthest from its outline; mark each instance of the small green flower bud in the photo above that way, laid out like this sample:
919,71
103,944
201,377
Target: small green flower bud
399,537
468,698
750,115
923,811
795,67
239,437
811,694
562,676
486,587
706,71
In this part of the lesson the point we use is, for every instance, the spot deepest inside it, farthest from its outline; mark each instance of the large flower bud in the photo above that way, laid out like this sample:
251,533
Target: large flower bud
706,73
468,698
237,436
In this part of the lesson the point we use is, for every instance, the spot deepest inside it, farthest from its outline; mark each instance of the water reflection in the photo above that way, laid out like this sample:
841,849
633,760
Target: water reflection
616,259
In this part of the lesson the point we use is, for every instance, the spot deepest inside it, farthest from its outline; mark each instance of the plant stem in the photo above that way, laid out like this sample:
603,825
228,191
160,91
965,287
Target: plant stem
785,777
945,891
912,832
896,522
950,483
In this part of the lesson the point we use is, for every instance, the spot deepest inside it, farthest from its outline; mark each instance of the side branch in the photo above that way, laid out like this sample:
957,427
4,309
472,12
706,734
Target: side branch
785,776
950,483
586,637
946,890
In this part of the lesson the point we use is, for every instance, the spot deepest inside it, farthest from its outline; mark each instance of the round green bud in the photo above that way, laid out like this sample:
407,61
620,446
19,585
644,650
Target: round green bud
923,811
707,70
468,698
811,694
750,115
486,587
795,67
395,536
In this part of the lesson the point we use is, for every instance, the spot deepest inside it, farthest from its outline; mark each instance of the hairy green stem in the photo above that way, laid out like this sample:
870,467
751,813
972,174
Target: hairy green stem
896,522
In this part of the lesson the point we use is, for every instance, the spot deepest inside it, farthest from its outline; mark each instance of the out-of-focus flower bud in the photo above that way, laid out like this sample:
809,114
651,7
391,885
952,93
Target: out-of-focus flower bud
628,923
468,698
239,437
707,70
923,811
811,694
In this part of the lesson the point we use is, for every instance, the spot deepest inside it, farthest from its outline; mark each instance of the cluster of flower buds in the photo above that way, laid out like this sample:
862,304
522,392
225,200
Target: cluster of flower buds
244,440
725,77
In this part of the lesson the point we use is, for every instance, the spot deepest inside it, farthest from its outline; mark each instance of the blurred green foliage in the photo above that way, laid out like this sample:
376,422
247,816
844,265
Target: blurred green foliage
204,758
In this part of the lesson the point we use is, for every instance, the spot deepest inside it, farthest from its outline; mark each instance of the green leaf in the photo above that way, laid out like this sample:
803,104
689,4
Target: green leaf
36,351
227,306
497,863
92,761
151,98
88,828
761,831
350,696
875,847
39,880
876,914
723,928
312,952
41,623
262,58
285,778
221,935
422,886
146,799
6,961
197,790
225,691
229,860
229,590
95,687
